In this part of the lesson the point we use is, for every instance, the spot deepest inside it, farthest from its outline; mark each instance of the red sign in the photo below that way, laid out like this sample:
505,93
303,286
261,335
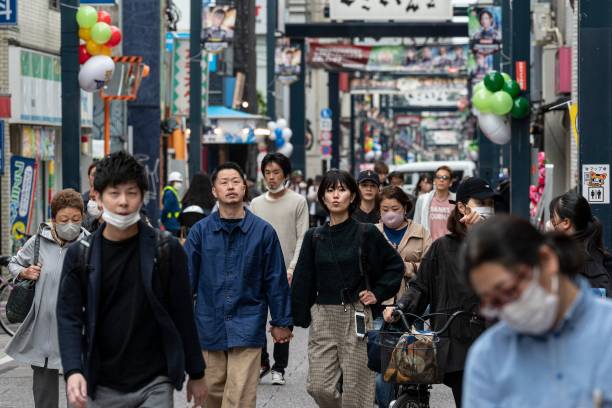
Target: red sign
521,74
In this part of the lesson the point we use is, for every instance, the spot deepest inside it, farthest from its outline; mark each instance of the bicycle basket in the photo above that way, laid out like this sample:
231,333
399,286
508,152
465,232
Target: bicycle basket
414,359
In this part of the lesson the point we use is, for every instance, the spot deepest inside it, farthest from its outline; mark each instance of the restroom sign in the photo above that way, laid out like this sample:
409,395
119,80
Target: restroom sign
596,183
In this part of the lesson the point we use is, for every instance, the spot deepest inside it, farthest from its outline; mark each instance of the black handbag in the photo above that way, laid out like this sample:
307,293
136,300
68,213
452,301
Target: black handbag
21,296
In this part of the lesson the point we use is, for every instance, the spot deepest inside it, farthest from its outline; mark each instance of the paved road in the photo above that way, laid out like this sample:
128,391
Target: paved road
16,384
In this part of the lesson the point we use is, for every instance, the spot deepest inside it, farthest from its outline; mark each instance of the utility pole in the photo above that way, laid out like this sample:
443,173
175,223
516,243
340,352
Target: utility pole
595,99
244,50
520,153
272,17
71,97
333,84
195,88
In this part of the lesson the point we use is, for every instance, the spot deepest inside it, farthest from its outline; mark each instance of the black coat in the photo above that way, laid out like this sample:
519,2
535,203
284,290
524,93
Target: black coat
439,283
79,302
596,273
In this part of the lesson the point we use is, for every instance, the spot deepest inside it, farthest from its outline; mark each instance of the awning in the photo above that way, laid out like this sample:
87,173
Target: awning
222,112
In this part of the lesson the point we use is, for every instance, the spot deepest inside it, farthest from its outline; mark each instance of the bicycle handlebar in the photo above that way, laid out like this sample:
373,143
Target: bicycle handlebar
402,315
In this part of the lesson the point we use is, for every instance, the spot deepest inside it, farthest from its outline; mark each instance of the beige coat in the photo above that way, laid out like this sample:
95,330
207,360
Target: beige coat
414,245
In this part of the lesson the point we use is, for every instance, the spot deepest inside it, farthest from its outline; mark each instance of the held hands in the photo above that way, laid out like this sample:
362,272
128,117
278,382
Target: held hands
197,390
76,390
367,298
471,218
281,334
31,273
388,314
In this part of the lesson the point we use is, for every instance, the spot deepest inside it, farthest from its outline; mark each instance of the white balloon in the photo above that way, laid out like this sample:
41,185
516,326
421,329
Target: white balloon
271,125
286,149
377,154
495,128
281,123
272,136
287,133
96,73
369,156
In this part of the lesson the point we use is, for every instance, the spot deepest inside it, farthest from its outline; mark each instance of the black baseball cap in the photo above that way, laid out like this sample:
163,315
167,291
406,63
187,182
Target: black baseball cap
474,187
368,175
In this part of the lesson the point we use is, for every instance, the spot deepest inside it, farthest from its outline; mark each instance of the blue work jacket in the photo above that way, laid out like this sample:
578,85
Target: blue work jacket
171,209
237,272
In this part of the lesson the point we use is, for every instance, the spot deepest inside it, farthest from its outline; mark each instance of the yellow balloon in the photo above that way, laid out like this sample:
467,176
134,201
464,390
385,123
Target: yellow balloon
105,51
94,48
85,34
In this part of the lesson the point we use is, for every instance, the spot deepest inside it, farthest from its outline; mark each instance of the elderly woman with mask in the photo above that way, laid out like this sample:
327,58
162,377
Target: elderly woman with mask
36,341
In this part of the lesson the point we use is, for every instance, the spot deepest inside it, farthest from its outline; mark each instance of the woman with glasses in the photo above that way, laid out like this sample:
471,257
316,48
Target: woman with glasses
433,209
551,346
439,283
345,268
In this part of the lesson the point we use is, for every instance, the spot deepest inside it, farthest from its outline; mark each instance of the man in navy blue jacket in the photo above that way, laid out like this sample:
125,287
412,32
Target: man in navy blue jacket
237,269
126,330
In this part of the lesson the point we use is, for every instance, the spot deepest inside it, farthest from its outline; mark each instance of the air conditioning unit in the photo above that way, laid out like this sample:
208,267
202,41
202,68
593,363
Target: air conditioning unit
542,23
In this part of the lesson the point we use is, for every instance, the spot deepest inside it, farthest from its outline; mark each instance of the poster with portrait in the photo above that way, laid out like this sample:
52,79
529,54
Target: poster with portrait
218,24
485,29
479,65
287,61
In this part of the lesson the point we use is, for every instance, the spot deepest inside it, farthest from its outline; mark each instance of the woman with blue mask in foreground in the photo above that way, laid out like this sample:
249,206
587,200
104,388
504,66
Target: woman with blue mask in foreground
551,346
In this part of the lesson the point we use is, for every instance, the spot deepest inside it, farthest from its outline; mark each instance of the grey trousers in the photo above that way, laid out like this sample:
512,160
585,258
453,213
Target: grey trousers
45,387
159,393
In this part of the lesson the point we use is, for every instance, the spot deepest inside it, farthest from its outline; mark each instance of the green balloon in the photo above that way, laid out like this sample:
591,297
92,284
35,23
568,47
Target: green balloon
520,108
512,88
87,16
482,100
101,33
507,77
494,81
501,103
480,85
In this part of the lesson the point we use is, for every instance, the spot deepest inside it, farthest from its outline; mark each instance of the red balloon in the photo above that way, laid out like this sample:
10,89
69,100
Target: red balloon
83,54
115,37
104,17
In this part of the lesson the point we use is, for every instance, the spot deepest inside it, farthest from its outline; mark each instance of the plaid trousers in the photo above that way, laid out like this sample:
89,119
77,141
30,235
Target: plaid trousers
334,352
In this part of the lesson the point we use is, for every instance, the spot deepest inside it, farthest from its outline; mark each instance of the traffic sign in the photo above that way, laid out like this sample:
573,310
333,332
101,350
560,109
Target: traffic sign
8,12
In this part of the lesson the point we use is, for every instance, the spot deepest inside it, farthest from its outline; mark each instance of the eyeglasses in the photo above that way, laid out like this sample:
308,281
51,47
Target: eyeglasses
443,178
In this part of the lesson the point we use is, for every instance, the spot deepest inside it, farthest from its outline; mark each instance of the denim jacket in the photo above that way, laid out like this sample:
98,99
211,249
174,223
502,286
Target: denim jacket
237,272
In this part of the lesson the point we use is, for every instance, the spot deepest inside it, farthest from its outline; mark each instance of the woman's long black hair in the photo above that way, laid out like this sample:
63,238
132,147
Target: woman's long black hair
200,192
588,230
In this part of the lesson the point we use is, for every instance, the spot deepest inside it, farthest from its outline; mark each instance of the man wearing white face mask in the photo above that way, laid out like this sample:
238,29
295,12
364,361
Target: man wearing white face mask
551,346
138,338
287,212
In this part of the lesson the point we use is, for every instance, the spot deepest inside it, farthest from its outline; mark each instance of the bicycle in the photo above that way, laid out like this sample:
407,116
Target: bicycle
6,286
416,394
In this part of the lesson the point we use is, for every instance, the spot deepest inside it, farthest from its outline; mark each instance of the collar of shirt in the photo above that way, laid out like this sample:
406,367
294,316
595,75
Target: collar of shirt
243,225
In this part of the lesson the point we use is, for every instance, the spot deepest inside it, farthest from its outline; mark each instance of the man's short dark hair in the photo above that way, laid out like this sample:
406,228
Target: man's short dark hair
91,167
118,168
278,158
228,166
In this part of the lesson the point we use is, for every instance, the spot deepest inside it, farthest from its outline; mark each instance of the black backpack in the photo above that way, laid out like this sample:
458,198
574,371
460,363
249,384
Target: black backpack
162,256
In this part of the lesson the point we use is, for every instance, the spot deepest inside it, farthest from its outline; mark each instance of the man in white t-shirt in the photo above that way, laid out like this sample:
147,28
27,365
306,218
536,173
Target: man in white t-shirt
433,209
287,212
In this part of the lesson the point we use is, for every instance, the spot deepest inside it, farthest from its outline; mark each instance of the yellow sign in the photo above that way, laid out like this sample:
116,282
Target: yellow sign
573,111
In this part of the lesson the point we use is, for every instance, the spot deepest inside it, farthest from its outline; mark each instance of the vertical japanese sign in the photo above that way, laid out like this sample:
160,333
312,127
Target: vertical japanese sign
287,61
8,12
325,134
23,186
596,183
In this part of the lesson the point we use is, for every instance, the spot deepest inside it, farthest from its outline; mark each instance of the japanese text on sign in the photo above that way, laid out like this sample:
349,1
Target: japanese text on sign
596,183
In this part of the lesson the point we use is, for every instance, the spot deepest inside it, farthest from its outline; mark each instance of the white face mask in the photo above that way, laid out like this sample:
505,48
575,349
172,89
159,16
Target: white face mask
278,189
69,231
178,185
121,222
485,212
93,209
535,311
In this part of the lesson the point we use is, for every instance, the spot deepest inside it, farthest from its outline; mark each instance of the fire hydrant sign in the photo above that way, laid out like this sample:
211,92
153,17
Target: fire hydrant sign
596,183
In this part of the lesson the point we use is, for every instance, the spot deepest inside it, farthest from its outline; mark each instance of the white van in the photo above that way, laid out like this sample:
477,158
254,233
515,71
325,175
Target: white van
412,171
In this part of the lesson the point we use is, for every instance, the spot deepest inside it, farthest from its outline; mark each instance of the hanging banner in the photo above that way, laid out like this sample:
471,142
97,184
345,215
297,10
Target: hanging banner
287,61
218,28
573,111
180,77
484,29
23,186
396,10
426,59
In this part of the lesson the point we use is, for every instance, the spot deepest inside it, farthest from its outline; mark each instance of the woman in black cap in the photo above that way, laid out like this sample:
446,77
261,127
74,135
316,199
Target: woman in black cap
369,185
439,282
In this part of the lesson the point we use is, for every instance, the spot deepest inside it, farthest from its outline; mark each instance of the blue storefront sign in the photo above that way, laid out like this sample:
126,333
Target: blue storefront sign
23,185
8,12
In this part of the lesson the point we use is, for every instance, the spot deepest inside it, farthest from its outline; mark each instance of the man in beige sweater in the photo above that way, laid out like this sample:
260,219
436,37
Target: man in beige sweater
287,212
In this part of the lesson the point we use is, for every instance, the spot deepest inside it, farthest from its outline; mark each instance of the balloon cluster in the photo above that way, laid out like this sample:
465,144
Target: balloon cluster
535,192
97,36
280,134
495,97
372,149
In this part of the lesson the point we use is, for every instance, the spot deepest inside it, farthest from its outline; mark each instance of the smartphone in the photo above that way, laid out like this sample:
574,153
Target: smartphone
360,324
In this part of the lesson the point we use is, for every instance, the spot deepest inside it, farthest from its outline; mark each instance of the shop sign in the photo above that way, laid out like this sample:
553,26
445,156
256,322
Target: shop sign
325,134
8,12
521,74
180,77
596,183
392,10
261,16
23,186
36,89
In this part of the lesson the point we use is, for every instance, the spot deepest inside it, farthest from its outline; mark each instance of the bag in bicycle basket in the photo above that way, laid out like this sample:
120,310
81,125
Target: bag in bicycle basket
380,344
414,359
